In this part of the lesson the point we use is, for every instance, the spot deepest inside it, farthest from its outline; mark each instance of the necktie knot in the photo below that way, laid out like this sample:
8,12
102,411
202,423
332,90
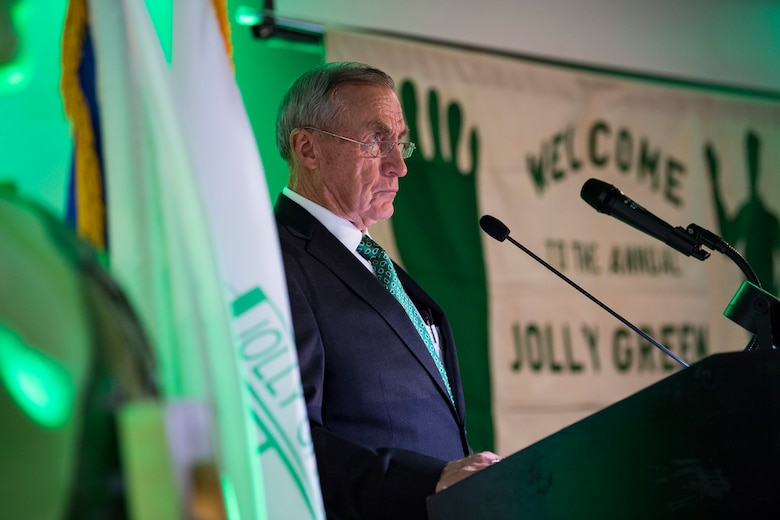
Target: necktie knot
383,266
369,249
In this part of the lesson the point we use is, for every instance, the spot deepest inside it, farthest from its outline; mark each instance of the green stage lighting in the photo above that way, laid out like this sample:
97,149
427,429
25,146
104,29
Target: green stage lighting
39,385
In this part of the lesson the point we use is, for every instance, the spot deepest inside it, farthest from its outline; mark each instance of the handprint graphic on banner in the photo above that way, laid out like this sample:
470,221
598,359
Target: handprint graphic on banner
438,237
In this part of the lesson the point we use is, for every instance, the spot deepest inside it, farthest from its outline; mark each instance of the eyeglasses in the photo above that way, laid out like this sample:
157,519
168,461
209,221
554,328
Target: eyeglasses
376,148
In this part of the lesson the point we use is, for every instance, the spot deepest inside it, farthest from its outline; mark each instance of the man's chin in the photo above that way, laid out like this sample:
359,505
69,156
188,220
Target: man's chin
386,211
383,213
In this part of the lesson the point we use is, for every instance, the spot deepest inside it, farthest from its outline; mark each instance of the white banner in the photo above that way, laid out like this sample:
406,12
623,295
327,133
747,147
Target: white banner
159,252
235,195
517,140
194,242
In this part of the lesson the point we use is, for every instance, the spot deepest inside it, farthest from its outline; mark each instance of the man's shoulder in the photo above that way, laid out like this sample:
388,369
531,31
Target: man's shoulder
283,207
291,217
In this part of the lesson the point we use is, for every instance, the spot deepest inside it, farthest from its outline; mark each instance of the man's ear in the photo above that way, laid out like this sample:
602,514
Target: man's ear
304,147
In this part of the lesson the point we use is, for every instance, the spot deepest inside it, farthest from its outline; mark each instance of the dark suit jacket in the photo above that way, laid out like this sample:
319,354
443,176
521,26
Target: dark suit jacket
382,423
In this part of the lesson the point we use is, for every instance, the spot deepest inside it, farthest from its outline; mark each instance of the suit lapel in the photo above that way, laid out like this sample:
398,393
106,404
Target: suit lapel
326,248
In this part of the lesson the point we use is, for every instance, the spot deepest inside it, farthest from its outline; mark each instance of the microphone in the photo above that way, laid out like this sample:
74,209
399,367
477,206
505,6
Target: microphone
499,231
605,198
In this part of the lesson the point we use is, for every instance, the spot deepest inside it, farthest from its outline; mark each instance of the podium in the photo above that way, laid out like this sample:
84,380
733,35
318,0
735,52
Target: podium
701,443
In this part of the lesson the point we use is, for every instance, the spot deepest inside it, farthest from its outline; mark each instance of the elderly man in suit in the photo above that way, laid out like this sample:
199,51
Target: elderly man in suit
377,357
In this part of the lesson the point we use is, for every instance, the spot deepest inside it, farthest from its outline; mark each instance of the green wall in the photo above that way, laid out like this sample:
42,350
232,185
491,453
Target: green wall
264,71
35,142
34,138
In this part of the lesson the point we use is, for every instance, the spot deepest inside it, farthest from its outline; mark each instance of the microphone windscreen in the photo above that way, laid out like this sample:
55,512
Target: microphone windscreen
494,227
595,192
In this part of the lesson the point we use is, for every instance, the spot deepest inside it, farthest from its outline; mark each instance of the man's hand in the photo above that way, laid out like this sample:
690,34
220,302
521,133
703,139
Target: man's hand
457,470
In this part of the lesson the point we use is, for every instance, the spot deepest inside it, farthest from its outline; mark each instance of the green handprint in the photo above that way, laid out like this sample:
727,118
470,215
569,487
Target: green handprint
436,227
754,225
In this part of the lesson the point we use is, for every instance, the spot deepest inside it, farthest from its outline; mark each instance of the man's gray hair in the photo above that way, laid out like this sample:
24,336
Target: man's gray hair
310,100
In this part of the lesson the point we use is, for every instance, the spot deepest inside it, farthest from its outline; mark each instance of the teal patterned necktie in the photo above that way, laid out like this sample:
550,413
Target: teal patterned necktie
385,272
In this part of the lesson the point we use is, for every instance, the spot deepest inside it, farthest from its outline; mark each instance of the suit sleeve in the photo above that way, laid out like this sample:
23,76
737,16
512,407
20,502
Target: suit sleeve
356,482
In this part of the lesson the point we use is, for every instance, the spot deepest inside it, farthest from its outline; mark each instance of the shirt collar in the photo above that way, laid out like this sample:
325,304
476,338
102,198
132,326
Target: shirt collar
344,230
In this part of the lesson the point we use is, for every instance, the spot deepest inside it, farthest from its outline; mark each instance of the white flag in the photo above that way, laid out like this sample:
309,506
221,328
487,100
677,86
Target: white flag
161,249
235,194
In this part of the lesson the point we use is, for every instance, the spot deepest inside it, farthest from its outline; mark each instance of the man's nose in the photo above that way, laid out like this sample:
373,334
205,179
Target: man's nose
395,162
